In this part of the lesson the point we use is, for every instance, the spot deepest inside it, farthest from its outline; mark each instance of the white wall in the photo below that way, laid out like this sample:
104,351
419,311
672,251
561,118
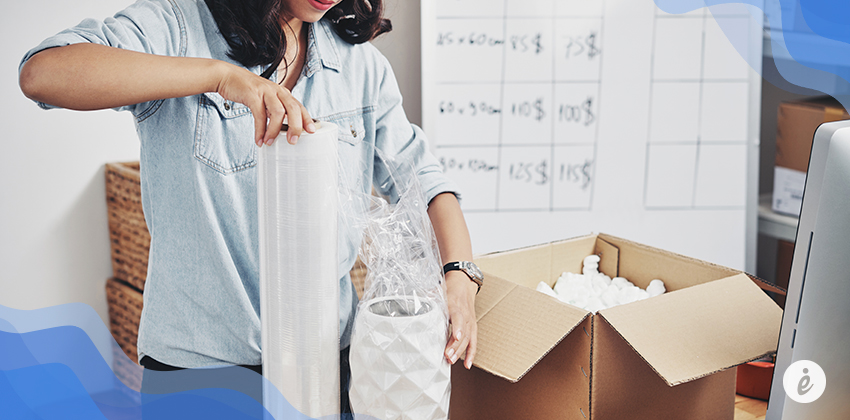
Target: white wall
54,244
402,48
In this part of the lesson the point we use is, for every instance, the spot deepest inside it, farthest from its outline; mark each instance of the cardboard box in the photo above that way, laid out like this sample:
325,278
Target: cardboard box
796,125
668,357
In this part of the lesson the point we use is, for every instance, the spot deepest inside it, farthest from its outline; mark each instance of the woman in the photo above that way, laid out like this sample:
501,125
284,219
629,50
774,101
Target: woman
200,78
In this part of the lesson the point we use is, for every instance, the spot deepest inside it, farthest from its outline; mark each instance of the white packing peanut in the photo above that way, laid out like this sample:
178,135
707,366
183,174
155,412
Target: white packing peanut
544,288
604,278
591,259
621,282
655,288
580,302
627,295
598,284
594,304
609,296
594,291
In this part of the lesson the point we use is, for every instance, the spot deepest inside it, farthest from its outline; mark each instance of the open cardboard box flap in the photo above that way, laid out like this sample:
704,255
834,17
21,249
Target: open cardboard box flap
694,332
510,338
642,263
712,318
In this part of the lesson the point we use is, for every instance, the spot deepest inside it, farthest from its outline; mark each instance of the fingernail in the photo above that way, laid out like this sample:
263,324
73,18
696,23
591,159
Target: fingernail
454,359
450,353
293,140
311,127
459,334
468,364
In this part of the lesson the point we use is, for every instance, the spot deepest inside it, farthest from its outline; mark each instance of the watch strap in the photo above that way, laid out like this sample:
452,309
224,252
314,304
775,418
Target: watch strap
459,266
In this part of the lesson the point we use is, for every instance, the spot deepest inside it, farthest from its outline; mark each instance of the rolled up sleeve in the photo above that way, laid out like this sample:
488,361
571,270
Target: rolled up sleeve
403,148
154,27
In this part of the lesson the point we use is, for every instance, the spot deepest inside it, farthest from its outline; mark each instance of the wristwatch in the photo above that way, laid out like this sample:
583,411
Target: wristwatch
469,268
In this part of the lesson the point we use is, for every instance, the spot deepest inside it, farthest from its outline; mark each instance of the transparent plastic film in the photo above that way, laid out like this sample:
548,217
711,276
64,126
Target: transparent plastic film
298,198
398,370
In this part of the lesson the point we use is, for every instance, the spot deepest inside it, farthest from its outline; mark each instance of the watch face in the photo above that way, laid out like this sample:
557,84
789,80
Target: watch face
473,269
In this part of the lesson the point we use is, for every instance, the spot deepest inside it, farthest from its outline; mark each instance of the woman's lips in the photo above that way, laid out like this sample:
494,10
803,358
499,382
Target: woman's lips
322,5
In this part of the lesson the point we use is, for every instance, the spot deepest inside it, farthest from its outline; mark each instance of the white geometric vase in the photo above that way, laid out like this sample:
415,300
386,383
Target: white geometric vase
398,370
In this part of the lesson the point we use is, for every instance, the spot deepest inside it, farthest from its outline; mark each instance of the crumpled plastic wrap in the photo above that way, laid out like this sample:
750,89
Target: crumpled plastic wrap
398,370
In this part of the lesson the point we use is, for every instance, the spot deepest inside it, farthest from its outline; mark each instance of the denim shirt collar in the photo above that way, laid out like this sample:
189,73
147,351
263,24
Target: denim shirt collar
321,49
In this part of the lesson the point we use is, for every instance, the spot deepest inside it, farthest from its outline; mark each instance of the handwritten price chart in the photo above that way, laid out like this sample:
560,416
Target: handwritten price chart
518,111
561,117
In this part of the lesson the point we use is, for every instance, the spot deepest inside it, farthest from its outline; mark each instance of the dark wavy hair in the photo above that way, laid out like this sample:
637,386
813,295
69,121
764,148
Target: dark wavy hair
252,28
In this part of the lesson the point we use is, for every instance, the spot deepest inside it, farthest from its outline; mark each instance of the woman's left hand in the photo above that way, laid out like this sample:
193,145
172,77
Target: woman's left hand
453,239
460,293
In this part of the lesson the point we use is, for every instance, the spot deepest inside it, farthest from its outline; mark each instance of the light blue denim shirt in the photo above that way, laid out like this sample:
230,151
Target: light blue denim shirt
199,176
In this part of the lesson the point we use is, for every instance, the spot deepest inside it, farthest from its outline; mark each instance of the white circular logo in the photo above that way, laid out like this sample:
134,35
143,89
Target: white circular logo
804,381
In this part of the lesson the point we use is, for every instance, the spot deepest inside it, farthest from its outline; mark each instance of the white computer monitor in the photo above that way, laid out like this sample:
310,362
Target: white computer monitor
816,321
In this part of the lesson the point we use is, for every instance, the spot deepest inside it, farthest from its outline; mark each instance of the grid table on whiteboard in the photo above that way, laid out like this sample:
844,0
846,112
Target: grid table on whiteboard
520,104
561,117
696,153
518,109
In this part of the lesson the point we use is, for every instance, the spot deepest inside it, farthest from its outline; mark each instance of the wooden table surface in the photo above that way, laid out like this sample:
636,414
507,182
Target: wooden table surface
749,409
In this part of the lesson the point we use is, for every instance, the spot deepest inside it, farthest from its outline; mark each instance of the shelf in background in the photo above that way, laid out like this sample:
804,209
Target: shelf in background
773,224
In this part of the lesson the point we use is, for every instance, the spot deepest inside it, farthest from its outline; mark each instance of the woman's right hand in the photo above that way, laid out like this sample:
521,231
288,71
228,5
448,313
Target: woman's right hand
268,101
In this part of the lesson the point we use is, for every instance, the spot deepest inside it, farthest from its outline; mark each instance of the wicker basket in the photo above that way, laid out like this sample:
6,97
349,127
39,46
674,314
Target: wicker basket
358,276
127,371
128,232
125,311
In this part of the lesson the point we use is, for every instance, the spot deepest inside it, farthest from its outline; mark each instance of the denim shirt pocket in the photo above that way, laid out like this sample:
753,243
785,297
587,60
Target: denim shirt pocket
224,134
350,125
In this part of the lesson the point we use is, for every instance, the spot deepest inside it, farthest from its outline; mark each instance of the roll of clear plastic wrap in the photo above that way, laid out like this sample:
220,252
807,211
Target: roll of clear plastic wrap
299,280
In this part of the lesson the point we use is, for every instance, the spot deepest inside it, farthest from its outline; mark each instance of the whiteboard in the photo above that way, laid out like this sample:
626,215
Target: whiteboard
559,118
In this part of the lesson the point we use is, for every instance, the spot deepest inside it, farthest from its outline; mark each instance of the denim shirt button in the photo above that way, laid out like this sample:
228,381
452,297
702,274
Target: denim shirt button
227,106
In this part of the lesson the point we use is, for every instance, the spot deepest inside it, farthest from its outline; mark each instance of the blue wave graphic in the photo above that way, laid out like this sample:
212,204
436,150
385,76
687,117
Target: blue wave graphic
50,368
809,40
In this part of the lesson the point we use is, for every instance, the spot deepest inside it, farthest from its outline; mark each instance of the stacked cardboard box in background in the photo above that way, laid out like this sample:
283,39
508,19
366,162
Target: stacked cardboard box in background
797,122
796,125
668,357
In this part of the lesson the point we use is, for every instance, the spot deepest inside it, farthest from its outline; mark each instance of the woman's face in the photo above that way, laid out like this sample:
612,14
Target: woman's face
309,10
